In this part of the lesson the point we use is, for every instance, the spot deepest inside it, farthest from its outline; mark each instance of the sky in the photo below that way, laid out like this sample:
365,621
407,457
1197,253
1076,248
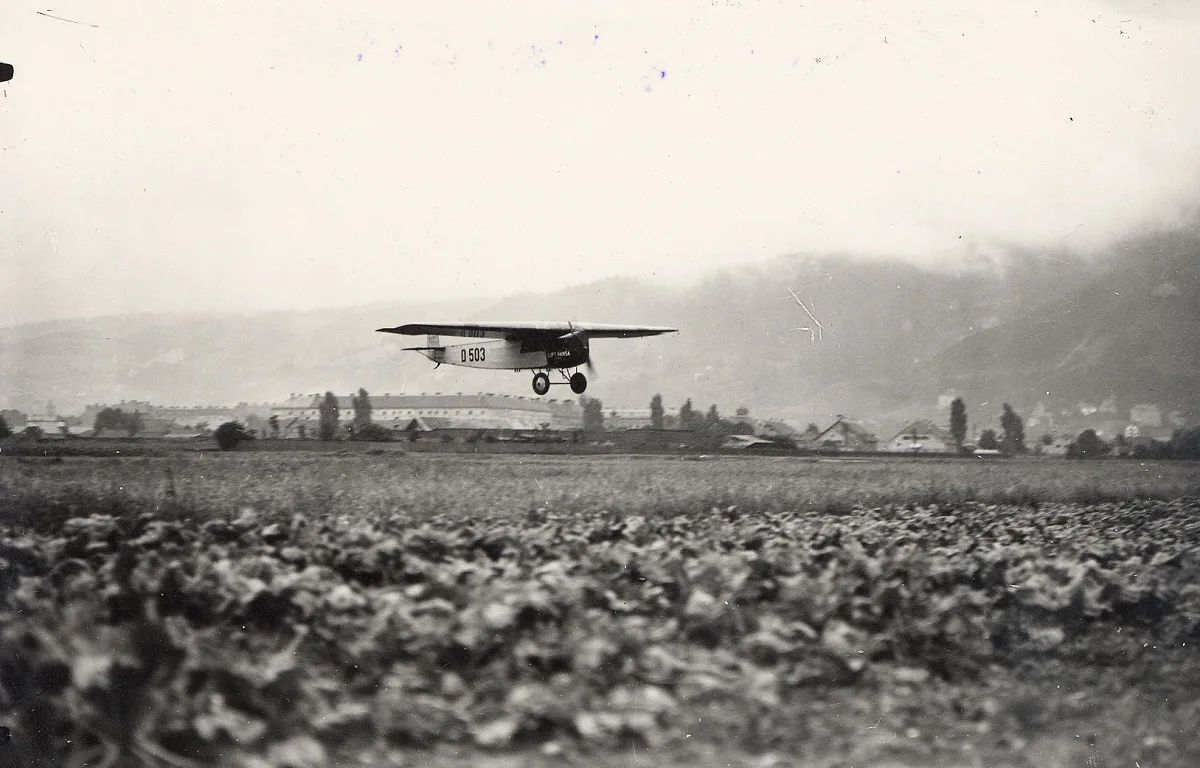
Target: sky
234,156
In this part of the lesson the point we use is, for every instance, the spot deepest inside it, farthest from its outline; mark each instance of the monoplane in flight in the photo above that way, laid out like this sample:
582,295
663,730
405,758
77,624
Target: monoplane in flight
541,347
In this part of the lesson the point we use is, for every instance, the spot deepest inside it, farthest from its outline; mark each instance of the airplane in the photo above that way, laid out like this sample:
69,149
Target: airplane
539,346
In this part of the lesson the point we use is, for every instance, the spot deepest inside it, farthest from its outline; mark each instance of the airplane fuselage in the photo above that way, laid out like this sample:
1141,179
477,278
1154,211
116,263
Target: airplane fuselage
515,355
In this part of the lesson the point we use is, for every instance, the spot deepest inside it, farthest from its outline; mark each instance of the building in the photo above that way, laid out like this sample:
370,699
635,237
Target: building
922,436
300,415
49,426
747,443
1146,415
774,429
181,415
946,398
1058,446
627,418
844,435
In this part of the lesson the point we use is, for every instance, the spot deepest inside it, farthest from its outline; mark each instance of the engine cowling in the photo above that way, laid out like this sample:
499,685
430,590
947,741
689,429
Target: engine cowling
569,351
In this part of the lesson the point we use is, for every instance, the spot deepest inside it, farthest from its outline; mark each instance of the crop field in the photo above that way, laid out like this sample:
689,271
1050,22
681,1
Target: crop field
265,609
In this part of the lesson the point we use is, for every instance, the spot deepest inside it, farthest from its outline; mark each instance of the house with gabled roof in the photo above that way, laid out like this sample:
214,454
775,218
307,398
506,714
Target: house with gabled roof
922,436
845,435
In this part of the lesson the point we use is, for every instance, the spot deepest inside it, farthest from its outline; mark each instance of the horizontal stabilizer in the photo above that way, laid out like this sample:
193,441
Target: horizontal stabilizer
423,349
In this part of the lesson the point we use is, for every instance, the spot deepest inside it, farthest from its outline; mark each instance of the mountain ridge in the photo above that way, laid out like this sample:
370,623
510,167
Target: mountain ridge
893,337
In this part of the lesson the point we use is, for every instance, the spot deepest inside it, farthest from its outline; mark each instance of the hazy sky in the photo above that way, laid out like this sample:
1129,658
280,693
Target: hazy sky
234,155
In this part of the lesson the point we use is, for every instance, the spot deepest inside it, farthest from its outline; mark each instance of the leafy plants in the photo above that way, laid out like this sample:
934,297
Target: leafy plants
281,610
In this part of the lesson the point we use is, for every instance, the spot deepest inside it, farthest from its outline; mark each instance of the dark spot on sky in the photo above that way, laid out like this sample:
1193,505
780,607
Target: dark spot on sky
596,37
1071,119
662,73
360,57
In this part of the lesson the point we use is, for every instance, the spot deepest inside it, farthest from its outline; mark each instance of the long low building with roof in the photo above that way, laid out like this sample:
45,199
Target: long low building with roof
458,411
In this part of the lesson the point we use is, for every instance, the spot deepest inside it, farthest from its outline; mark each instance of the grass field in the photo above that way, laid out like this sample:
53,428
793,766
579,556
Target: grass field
271,609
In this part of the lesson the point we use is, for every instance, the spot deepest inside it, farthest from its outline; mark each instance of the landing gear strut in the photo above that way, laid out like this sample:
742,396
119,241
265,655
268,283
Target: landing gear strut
541,383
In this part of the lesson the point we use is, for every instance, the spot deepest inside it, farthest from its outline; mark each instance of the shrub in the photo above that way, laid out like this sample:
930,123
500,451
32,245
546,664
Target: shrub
373,433
231,434
1088,446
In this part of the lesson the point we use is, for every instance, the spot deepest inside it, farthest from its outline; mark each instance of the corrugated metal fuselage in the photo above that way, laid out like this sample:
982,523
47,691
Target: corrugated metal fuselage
512,355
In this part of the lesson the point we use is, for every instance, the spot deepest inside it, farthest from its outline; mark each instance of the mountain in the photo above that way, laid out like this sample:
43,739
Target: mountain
1131,333
892,337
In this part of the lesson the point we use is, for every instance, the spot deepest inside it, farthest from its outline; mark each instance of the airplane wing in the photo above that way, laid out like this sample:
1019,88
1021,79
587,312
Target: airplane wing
610,331
527,330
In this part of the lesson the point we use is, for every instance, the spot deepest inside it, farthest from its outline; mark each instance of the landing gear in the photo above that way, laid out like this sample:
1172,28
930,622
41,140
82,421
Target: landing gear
541,382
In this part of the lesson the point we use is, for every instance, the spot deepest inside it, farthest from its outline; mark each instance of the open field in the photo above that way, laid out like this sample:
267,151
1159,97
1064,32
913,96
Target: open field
271,609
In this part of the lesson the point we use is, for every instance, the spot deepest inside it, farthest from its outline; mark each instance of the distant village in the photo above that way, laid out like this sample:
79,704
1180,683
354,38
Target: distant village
494,417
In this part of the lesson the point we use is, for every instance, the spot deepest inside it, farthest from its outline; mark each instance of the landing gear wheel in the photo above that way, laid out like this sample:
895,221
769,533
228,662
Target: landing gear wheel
541,383
578,383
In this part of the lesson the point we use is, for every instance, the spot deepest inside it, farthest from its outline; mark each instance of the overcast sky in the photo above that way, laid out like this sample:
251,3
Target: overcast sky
240,155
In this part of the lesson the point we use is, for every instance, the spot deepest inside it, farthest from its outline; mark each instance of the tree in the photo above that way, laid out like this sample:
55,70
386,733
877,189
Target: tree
1185,443
328,420
714,417
1088,446
689,417
686,415
593,415
273,423
116,419
958,422
987,440
656,412
362,410
231,434
5,431
1013,441
109,418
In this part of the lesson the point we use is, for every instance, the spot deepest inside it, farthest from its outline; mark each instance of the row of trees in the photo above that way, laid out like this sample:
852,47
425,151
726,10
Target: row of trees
361,427
328,422
1011,441
116,419
1184,444
710,423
